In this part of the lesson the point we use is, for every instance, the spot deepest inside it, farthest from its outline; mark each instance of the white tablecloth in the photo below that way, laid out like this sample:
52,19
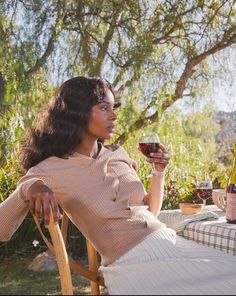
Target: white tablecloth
213,233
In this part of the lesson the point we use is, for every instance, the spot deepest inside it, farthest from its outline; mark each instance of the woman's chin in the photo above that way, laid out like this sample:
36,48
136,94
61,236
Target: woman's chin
109,136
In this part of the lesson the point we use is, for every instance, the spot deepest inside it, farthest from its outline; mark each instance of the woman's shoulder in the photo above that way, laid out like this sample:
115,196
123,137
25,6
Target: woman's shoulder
48,164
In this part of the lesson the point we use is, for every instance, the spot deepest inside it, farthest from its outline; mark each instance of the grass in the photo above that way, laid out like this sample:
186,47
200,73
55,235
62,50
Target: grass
17,279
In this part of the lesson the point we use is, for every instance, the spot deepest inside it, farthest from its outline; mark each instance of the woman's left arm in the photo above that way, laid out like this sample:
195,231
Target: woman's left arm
154,197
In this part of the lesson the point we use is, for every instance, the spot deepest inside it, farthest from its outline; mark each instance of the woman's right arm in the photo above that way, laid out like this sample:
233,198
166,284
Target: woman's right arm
33,192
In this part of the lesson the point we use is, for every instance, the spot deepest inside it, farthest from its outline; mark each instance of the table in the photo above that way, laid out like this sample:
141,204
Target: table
213,233
217,233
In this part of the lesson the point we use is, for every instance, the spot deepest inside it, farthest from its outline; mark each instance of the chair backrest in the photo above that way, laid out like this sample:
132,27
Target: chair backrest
65,264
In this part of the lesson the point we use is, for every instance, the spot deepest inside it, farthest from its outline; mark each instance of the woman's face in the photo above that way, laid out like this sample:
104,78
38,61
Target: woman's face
102,117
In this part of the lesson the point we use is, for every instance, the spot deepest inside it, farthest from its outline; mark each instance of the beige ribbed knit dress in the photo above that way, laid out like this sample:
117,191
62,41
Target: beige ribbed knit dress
139,254
95,193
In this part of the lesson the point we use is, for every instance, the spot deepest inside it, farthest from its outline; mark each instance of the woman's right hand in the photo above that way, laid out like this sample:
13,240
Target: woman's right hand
41,200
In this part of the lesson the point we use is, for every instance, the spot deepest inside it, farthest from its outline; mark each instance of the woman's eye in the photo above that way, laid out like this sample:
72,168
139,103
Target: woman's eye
107,109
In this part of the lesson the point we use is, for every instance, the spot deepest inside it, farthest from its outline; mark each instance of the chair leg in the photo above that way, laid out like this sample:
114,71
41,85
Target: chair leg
93,266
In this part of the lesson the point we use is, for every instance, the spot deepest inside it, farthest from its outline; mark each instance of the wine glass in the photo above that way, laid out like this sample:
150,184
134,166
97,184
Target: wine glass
204,191
148,143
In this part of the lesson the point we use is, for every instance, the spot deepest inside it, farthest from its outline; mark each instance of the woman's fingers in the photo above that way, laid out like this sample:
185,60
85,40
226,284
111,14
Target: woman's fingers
42,201
160,158
55,209
32,205
38,209
162,148
45,201
40,206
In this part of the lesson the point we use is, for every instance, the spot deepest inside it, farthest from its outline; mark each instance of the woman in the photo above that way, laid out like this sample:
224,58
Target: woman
67,163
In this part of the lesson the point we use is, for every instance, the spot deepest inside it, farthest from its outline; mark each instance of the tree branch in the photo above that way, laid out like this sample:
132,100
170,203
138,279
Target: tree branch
97,68
227,40
50,46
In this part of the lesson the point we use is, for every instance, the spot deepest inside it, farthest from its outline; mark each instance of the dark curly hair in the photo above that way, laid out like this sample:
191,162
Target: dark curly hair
61,126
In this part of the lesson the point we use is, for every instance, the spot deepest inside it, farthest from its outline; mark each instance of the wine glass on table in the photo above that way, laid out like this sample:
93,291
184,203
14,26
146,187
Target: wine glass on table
204,191
148,143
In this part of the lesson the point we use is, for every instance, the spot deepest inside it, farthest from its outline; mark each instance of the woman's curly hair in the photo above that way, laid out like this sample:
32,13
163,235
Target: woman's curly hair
60,127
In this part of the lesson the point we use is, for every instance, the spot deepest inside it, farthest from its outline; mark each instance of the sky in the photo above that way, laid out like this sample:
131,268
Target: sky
221,90
225,97
223,86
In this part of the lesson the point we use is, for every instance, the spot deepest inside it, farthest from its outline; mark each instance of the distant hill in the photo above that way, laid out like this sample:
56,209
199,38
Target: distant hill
226,136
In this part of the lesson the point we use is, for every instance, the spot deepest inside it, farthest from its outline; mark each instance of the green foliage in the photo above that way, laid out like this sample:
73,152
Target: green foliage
21,242
191,146
17,117
11,132
189,140
9,176
148,45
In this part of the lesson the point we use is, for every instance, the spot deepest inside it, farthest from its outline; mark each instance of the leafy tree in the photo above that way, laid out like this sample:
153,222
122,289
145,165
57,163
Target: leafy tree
161,50
159,47
190,142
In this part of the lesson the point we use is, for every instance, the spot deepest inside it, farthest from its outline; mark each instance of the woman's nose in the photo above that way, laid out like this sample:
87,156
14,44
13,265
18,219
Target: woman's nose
113,115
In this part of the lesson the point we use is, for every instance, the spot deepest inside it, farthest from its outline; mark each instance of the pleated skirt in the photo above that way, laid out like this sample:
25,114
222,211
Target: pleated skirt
166,264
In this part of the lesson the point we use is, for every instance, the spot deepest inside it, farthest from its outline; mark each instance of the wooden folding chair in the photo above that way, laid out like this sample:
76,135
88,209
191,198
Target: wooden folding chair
65,265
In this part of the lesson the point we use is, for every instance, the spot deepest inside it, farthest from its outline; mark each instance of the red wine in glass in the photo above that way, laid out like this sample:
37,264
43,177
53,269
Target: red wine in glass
204,190
149,143
147,148
204,193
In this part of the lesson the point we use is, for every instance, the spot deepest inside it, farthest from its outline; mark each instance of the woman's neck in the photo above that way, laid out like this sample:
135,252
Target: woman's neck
90,149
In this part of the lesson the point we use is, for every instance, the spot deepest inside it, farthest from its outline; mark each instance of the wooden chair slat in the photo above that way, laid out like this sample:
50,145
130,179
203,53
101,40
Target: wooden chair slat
65,264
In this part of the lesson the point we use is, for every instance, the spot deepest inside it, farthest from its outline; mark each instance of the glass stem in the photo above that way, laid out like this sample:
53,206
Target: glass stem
204,203
152,171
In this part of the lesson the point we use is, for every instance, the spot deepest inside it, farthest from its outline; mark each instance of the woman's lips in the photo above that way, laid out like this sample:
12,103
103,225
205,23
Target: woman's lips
111,129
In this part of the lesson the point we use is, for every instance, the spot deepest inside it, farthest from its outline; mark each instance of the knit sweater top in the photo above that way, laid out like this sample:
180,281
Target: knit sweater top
98,195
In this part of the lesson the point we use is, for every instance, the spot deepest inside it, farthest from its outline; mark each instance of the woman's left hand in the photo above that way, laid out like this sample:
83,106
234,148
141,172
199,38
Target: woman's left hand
160,158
